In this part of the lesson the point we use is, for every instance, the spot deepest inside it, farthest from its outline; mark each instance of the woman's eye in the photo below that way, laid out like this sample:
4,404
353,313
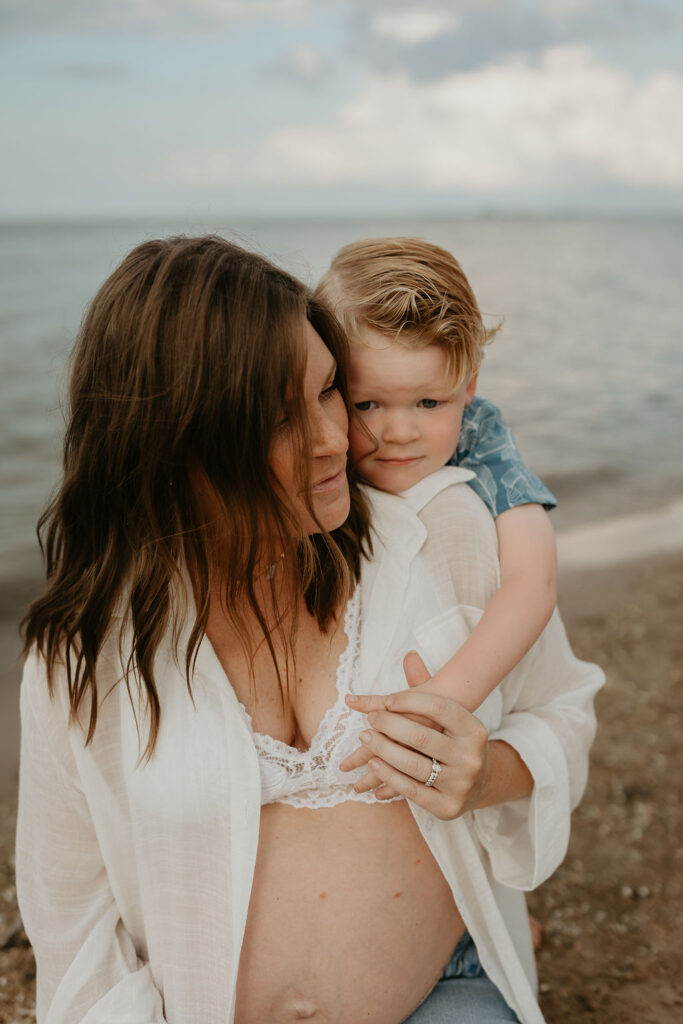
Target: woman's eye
331,390
284,421
363,406
429,403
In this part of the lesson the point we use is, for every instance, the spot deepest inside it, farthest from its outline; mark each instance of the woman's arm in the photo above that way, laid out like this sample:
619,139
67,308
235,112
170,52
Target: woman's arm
88,971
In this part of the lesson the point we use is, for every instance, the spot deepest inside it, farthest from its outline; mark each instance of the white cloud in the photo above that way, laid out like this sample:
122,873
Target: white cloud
414,25
566,120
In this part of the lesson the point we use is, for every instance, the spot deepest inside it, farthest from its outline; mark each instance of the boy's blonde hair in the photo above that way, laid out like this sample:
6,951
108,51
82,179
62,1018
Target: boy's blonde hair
414,292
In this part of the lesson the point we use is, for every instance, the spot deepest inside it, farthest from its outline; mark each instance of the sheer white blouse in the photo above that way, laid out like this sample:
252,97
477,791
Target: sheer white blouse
134,879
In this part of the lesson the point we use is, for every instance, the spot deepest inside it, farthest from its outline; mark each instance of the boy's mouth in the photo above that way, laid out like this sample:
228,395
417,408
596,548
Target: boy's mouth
399,462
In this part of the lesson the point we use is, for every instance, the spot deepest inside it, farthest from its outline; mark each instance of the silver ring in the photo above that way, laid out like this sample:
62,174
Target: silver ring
435,772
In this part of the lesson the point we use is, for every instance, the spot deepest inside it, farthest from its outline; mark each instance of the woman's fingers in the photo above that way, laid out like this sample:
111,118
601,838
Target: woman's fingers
415,747
385,792
404,759
366,702
407,786
441,710
359,757
411,734
402,750
409,730
448,798
368,782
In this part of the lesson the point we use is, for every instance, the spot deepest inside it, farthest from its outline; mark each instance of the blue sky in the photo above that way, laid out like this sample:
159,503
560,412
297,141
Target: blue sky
204,107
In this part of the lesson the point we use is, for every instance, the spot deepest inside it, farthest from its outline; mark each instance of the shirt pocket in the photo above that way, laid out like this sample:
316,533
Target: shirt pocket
440,637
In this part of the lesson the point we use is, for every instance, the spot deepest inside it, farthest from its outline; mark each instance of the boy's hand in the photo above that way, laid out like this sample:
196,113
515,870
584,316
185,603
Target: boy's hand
418,678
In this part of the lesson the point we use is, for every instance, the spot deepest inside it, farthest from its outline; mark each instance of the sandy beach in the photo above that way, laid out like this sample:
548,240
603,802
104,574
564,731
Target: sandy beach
612,914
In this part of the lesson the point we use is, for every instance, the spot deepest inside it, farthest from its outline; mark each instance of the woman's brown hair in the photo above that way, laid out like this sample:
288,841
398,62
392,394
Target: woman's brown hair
184,362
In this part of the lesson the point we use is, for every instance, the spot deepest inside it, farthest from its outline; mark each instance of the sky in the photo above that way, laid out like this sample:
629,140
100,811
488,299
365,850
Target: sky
115,108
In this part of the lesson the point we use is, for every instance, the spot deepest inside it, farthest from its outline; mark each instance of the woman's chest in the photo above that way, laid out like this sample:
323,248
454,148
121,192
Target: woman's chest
285,690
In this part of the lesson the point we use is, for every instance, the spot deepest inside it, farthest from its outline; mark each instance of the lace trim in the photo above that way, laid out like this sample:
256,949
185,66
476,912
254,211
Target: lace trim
311,778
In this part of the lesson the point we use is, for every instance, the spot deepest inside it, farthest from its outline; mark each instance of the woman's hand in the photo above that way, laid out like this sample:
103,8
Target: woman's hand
400,749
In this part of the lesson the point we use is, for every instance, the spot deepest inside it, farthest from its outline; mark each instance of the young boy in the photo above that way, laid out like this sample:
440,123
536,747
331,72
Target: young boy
417,340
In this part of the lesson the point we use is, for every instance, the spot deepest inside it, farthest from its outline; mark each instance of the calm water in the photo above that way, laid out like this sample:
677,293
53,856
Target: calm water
588,367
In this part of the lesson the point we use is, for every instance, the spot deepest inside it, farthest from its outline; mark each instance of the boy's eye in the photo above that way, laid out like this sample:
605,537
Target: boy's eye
363,406
429,403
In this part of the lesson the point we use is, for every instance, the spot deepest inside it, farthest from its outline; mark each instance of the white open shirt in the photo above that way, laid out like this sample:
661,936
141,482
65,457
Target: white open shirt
134,880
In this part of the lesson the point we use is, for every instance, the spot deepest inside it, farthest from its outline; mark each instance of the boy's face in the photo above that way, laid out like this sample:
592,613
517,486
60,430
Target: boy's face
404,399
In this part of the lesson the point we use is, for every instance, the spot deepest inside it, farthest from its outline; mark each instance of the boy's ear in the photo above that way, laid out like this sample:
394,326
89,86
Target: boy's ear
471,388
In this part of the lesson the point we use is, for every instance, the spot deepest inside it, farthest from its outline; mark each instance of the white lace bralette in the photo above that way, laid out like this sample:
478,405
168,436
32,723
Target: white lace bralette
312,778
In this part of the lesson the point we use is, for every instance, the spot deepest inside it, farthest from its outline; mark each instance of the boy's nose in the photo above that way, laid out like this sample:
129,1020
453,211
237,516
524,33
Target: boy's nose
400,429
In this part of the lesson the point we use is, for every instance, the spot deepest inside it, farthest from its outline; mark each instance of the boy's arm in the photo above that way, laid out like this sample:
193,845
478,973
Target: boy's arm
516,614
511,623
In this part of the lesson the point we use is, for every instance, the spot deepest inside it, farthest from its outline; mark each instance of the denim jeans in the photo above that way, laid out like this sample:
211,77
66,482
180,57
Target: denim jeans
464,994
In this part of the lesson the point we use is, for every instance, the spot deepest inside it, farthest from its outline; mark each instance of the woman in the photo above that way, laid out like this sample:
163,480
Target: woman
189,848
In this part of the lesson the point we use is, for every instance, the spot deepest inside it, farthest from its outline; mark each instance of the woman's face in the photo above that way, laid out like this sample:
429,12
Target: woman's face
328,424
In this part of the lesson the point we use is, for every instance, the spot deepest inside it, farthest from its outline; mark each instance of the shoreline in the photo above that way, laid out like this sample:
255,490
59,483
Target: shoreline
619,540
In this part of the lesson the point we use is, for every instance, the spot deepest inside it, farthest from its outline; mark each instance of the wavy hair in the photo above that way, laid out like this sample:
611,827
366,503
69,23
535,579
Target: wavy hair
184,361
414,292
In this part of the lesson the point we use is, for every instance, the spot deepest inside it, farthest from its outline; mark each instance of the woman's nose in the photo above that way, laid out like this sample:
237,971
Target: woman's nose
330,432
399,428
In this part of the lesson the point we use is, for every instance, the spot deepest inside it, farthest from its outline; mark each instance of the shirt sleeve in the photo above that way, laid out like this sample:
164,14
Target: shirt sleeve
88,971
487,446
544,706
548,718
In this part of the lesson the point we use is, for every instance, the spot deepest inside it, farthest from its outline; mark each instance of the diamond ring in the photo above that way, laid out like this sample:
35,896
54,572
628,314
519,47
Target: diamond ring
435,772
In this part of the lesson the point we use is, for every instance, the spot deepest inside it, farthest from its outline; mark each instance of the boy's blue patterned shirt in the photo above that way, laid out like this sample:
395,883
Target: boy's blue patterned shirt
487,447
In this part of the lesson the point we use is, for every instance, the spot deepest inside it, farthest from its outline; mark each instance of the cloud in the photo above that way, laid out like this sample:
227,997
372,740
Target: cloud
562,121
414,25
387,35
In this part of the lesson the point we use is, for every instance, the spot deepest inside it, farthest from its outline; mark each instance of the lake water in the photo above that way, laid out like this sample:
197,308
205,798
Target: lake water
588,367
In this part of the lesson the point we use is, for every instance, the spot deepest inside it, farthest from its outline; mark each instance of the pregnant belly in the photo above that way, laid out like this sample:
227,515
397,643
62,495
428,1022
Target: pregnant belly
350,918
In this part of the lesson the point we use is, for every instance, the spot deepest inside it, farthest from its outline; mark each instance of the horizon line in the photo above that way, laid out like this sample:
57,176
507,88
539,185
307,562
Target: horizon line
331,216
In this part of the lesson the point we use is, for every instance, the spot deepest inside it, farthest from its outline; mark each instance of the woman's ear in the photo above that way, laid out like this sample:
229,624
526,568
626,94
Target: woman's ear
471,388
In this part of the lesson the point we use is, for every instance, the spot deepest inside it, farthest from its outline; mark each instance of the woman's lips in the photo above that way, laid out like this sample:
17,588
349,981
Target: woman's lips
330,483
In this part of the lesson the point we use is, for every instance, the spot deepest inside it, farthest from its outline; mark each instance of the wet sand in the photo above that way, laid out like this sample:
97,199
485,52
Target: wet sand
612,914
